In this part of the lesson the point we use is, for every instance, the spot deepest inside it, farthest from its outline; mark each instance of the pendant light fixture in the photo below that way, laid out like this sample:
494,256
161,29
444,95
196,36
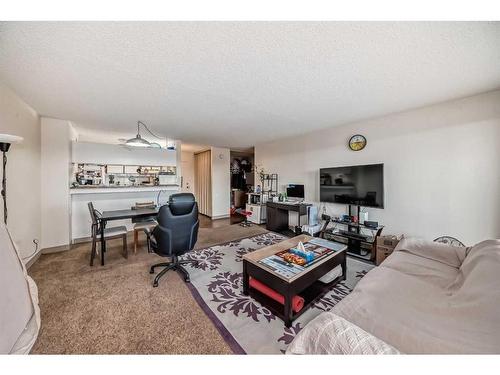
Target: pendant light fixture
138,141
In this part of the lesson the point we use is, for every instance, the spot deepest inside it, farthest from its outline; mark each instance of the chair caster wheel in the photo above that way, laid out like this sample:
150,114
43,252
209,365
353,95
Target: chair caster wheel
155,285
151,271
186,279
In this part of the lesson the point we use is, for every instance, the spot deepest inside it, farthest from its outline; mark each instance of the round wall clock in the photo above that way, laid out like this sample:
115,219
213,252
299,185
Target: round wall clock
357,142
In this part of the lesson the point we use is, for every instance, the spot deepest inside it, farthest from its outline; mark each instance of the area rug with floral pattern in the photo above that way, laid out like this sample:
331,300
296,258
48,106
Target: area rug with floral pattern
247,326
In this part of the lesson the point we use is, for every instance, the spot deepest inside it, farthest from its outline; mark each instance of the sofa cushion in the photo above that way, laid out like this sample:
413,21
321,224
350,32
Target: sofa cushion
476,288
482,261
449,255
435,274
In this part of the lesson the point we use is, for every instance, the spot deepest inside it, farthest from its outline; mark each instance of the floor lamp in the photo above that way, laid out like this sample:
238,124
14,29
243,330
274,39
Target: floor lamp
5,141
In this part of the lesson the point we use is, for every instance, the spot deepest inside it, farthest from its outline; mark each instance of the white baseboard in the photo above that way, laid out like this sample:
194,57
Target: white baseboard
220,217
55,249
33,259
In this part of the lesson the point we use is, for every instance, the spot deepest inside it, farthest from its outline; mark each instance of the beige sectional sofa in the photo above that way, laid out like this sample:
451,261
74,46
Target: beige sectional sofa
425,298
19,311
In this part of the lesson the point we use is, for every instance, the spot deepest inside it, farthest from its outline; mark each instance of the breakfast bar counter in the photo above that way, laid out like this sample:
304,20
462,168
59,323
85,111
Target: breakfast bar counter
97,189
109,198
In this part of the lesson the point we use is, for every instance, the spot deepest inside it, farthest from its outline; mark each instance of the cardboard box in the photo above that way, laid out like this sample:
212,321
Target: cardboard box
388,241
385,247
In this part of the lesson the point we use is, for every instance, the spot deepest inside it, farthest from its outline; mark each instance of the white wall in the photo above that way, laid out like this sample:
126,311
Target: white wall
23,171
55,171
441,165
221,182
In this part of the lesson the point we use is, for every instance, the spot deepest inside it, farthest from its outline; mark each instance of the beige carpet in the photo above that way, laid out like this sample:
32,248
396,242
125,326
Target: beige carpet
115,309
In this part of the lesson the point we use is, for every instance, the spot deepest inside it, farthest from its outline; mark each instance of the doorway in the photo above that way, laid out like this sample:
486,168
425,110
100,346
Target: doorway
242,181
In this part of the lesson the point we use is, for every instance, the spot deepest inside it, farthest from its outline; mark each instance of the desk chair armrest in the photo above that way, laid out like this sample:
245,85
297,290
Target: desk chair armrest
194,234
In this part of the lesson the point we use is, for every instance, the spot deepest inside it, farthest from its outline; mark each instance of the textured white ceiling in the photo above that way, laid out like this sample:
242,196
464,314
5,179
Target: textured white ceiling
236,84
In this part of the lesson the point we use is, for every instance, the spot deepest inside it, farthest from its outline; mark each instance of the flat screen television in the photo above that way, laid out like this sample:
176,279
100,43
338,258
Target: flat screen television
361,185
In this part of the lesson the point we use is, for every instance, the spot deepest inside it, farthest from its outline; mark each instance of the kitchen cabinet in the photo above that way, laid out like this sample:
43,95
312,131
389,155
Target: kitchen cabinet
114,169
131,169
102,153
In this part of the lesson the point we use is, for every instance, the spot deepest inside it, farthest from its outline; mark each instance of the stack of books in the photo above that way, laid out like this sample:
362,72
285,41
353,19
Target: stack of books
139,205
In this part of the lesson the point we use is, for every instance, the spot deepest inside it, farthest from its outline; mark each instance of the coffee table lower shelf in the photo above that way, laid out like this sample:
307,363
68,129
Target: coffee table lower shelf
311,295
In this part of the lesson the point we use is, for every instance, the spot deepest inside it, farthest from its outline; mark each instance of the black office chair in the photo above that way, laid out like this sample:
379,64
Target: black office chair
176,233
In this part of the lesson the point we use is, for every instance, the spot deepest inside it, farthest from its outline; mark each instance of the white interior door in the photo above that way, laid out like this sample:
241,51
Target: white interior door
188,173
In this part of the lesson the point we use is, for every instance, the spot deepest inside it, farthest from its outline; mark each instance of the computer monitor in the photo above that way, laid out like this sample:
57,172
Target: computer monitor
295,191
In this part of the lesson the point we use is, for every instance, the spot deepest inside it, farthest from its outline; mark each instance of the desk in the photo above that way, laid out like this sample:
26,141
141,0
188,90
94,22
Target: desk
120,215
277,214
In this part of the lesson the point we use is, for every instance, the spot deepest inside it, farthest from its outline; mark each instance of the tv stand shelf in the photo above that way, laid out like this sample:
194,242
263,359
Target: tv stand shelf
363,238
359,244
356,225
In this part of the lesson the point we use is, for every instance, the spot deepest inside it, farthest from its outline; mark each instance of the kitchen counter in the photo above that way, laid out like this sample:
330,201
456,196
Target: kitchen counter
95,189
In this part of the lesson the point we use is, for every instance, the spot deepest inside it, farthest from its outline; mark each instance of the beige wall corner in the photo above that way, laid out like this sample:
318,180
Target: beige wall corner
23,172
56,138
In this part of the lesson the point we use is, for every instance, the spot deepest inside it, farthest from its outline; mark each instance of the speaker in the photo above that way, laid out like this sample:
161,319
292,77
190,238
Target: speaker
312,215
371,224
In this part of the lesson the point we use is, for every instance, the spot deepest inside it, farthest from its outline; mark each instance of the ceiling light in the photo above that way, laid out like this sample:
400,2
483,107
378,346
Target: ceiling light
138,141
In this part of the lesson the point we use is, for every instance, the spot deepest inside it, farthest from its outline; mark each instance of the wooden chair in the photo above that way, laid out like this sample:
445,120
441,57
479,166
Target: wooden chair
109,233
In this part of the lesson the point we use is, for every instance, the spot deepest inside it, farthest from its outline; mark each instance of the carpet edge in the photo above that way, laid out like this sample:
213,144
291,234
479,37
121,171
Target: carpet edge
226,335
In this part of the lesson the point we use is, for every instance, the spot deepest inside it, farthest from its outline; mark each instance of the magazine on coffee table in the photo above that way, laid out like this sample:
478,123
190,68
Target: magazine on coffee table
291,262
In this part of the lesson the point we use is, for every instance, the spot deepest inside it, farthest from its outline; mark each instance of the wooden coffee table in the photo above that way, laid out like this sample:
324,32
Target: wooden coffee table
306,284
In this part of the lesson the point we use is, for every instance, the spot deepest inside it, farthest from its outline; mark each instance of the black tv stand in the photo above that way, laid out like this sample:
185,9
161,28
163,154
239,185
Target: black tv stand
359,245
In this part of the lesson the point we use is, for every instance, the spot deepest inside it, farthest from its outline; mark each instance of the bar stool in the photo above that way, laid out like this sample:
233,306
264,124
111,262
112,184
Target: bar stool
145,226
